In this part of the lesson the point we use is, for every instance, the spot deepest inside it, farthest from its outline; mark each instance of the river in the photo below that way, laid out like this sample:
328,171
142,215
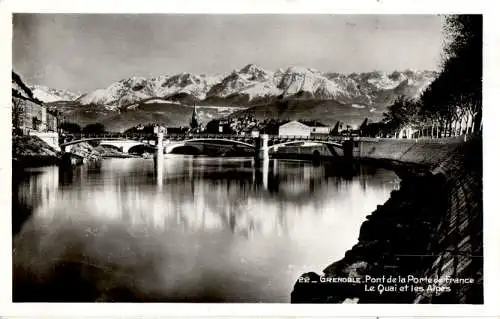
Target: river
204,230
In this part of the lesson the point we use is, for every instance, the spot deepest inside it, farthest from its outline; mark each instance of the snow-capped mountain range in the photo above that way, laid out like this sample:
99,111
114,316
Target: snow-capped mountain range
47,95
252,85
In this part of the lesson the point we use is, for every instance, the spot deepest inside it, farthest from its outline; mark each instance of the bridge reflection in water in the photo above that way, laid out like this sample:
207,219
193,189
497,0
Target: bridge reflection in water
47,186
262,169
240,231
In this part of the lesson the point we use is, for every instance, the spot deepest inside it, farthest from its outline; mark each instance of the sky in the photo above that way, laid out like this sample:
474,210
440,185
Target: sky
83,52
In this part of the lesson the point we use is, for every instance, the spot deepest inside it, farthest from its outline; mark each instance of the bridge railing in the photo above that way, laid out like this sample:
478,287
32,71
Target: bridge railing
200,135
107,135
205,135
427,140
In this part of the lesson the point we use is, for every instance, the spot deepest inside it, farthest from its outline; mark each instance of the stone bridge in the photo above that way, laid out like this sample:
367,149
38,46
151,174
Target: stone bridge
261,144
125,144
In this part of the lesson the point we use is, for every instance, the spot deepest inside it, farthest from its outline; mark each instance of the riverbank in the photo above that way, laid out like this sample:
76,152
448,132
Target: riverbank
431,228
31,151
91,152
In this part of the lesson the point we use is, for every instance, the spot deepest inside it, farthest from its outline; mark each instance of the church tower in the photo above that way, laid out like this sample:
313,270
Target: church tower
195,119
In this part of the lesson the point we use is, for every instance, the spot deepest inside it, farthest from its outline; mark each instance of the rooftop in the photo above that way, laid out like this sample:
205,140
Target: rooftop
311,123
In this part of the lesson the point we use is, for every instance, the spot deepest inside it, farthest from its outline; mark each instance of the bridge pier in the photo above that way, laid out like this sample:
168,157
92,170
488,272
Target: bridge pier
158,161
158,165
275,167
159,143
260,174
262,148
265,174
348,147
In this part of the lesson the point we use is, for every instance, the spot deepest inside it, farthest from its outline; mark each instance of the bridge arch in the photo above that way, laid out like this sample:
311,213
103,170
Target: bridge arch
169,147
124,144
217,140
186,149
141,148
334,147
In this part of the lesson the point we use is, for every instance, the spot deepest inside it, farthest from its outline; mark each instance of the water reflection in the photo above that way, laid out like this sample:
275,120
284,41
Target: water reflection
184,225
39,186
158,163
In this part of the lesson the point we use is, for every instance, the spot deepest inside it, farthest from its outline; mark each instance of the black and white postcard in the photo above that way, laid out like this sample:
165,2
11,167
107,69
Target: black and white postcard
246,158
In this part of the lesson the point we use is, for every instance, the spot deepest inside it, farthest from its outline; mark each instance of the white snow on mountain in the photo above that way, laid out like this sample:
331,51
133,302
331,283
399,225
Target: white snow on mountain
383,82
261,90
297,79
129,91
195,85
358,106
253,82
47,95
250,80
160,101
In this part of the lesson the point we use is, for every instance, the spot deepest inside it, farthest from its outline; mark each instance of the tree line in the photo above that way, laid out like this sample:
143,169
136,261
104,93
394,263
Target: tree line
93,128
452,104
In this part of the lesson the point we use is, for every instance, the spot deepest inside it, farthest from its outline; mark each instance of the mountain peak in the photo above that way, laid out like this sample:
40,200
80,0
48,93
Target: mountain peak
250,68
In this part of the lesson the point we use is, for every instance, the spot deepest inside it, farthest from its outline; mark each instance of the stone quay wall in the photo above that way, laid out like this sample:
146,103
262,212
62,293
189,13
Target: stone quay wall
425,244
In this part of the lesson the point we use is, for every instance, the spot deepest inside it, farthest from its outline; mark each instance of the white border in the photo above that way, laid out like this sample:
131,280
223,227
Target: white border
491,106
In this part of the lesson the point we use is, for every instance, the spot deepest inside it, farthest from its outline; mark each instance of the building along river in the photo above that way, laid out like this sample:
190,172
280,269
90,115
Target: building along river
209,229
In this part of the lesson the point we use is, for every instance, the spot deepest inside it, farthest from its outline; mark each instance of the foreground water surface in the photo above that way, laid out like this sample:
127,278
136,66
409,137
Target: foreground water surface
204,229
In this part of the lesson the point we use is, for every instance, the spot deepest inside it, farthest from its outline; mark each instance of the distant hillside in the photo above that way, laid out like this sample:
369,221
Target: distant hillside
170,114
328,112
